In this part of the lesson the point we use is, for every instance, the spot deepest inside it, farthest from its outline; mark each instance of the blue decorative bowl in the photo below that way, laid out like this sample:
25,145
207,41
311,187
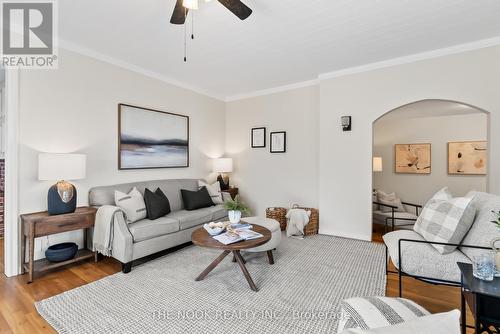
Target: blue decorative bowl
214,231
61,252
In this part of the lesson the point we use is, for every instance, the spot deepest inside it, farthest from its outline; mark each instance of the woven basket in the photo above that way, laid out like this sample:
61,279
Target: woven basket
280,215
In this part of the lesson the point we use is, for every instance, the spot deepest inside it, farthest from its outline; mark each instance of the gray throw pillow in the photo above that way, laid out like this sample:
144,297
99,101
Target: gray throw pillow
389,199
445,220
132,204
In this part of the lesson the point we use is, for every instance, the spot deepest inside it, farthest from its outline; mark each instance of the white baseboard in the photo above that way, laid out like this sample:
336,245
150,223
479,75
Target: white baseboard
346,235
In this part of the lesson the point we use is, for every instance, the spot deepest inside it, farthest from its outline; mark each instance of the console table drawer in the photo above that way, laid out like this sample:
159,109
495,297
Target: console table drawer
69,224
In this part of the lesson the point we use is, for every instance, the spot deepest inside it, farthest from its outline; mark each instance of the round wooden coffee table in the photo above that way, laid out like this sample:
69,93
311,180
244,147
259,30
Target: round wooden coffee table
200,237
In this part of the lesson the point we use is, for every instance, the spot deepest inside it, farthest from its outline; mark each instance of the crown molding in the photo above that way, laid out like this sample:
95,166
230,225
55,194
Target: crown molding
481,44
273,90
64,44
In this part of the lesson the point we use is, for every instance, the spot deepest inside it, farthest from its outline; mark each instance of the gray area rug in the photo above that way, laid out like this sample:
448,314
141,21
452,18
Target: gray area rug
300,293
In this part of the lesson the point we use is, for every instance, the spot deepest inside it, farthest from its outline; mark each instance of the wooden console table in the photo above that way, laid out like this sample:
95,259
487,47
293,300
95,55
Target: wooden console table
40,224
231,191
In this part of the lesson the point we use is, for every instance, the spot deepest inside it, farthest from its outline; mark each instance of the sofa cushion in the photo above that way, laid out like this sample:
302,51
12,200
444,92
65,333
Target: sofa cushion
375,312
104,195
389,199
421,259
157,204
132,204
194,200
439,323
188,219
482,230
147,229
446,220
218,212
214,191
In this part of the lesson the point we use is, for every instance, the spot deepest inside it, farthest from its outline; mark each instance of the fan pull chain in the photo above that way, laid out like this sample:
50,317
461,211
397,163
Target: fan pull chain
192,25
185,36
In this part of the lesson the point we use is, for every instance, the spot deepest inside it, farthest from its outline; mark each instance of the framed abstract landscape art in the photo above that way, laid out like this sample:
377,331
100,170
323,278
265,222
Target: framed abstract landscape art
413,158
467,158
151,138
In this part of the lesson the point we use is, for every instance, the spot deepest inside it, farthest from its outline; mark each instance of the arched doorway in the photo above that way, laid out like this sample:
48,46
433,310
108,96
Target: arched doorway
413,150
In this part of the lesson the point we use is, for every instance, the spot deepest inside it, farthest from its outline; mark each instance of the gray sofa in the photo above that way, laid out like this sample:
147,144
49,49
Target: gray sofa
413,256
146,237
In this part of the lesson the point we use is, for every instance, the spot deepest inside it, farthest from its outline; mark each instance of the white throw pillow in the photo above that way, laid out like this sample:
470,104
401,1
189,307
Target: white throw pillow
445,219
440,323
374,312
132,204
213,190
389,199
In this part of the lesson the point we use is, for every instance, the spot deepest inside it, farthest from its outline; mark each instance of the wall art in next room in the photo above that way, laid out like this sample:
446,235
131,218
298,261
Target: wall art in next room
151,138
467,158
413,158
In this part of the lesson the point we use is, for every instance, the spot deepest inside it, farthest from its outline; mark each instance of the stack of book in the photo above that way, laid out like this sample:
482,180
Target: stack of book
238,232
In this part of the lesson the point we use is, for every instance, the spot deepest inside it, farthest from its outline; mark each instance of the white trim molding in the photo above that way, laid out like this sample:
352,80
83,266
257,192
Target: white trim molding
345,235
11,202
481,44
273,90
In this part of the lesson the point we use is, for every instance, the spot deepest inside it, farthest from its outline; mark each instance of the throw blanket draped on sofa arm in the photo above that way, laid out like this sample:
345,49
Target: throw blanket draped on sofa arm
109,218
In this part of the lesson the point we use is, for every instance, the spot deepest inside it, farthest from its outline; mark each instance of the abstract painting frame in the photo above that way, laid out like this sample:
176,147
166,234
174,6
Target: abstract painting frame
413,158
468,157
151,139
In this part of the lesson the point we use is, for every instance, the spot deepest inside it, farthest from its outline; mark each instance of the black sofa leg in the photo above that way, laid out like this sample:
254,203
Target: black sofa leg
126,267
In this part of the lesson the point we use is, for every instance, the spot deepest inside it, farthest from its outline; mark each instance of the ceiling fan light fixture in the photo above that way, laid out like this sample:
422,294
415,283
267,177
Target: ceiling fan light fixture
190,4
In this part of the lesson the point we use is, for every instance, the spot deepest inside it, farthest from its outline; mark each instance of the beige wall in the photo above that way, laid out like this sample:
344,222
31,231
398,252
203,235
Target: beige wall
438,131
74,109
345,157
267,179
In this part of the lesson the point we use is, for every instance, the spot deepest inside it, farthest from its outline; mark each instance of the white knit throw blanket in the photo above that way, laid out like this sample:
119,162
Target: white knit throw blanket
103,229
297,220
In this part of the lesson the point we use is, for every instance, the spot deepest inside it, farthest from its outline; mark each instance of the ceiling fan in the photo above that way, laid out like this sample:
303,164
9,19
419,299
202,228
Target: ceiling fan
182,8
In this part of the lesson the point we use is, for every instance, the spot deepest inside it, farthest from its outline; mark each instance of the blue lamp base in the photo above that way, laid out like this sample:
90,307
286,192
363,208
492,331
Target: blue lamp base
61,198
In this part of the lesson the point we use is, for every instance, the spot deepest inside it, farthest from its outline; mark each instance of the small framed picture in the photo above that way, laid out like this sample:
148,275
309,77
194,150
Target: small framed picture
278,142
258,137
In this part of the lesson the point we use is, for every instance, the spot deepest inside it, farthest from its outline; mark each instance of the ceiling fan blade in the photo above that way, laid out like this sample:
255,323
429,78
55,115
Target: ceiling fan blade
179,14
237,7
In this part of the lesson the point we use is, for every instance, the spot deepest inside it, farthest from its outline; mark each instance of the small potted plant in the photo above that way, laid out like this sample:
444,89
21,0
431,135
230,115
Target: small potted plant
235,208
497,221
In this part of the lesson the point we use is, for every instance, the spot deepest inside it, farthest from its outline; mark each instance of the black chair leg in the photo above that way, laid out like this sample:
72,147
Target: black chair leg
400,282
126,267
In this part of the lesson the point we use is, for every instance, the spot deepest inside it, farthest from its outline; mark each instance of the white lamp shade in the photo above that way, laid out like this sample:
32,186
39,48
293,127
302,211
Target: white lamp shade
57,166
190,4
377,164
223,165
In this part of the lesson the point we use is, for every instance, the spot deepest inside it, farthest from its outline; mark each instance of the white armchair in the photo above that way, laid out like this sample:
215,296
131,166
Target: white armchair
398,214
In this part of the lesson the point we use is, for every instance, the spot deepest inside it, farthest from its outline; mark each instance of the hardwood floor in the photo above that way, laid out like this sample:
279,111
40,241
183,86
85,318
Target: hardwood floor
18,314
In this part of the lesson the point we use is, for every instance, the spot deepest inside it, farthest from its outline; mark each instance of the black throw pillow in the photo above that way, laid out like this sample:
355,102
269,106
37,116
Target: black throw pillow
157,204
196,199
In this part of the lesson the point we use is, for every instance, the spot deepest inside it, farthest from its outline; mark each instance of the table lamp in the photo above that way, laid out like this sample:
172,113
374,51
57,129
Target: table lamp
223,165
61,197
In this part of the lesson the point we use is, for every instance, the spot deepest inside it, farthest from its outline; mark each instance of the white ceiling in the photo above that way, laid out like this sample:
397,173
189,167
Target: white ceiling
429,108
282,42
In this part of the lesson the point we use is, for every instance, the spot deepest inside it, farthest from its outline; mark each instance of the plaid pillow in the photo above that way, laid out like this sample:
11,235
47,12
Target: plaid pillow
446,220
